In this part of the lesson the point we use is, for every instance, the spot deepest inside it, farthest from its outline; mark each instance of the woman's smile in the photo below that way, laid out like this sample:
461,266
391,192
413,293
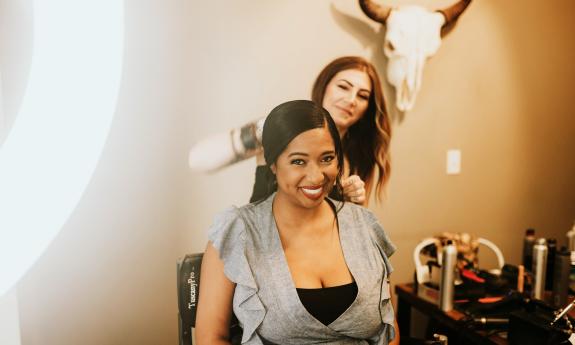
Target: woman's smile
312,192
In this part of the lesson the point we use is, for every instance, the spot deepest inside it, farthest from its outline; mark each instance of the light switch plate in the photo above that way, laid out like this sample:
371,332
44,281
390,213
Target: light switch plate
453,162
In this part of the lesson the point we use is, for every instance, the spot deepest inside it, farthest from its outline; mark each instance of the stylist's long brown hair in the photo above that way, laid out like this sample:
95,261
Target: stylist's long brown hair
366,143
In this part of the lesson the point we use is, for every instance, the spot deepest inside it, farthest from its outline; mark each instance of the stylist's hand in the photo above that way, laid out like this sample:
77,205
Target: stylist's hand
354,189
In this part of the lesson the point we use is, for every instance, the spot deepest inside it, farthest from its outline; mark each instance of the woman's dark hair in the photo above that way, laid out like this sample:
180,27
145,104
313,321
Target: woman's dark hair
366,143
287,121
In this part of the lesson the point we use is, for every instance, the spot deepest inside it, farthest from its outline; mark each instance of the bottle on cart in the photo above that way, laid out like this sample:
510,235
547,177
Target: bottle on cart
562,270
572,274
528,242
571,239
571,247
538,268
549,273
447,279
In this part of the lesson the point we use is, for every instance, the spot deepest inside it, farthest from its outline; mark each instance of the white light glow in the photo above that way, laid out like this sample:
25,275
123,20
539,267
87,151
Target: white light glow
55,143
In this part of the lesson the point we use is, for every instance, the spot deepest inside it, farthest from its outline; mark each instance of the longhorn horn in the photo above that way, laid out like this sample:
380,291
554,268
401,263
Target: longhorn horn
379,13
454,11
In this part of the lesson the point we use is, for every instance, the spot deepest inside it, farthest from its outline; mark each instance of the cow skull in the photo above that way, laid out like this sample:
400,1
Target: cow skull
413,36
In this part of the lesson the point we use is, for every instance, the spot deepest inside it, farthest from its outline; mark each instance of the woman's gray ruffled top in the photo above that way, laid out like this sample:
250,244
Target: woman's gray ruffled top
266,302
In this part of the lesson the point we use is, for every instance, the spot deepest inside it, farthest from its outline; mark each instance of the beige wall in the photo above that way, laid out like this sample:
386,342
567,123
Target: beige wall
498,89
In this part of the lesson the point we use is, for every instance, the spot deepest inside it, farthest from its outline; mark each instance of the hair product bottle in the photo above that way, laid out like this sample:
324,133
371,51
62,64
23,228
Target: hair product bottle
446,283
528,242
549,273
571,239
539,267
562,270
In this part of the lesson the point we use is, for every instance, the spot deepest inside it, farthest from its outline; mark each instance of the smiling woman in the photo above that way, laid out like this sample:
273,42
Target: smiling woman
54,145
315,266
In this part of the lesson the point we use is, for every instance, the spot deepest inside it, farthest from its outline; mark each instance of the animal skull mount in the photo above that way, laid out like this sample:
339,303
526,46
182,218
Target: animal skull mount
413,36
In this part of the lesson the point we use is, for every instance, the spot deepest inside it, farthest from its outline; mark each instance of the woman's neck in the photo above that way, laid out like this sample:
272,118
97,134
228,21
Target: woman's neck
290,215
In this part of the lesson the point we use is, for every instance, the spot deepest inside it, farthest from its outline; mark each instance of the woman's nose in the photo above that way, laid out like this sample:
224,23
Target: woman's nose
315,175
352,98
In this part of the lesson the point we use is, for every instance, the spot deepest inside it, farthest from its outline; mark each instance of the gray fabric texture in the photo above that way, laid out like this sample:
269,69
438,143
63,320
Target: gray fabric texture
265,299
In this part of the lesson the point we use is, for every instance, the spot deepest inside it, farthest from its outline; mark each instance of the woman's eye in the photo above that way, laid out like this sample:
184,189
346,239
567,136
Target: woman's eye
343,86
297,162
328,159
364,96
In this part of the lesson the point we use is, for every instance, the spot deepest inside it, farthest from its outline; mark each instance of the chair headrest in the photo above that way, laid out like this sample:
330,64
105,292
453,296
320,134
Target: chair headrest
188,288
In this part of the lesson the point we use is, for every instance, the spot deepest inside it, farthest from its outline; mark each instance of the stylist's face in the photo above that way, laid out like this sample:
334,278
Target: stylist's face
307,168
347,97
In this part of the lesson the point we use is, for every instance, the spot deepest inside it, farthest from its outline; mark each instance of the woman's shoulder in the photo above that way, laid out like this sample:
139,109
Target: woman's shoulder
350,209
226,225
365,219
256,210
235,222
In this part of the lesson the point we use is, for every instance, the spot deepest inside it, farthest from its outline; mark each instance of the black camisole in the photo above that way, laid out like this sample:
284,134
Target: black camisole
327,304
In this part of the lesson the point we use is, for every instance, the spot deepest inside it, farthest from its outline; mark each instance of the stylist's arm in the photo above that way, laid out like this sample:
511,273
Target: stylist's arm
395,340
215,302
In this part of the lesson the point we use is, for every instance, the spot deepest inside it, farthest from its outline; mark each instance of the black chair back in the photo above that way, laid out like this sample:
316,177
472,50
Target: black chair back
188,294
188,280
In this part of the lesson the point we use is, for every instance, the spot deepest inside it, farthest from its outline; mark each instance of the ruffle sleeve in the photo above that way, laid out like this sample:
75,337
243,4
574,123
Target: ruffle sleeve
386,248
380,238
228,236
387,314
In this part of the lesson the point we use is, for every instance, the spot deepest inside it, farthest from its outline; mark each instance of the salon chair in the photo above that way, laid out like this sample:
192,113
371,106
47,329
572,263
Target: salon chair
188,284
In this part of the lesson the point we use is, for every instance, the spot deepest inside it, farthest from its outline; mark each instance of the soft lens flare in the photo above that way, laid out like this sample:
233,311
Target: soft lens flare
55,143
